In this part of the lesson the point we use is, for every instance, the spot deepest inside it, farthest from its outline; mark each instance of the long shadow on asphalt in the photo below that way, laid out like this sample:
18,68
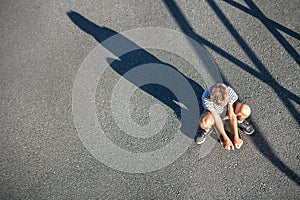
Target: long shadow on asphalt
271,25
283,94
138,57
263,74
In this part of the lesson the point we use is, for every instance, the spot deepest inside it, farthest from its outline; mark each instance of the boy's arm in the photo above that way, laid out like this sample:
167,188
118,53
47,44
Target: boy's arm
219,125
233,122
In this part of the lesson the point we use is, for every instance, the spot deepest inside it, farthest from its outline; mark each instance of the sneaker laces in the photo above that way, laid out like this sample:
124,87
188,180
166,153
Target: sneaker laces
245,123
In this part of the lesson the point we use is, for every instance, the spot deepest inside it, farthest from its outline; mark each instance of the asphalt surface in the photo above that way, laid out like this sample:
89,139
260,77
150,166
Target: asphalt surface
255,45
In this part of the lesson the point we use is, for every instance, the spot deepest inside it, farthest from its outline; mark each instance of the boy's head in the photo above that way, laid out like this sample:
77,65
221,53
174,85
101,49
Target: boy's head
219,94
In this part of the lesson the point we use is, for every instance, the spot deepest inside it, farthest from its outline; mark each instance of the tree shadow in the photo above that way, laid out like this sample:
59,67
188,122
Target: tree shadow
263,74
138,57
283,94
271,25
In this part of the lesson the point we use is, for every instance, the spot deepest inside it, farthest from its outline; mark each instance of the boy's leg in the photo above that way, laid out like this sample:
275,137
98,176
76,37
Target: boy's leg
206,122
242,112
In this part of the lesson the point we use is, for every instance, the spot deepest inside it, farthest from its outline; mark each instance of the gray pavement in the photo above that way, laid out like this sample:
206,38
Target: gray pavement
255,45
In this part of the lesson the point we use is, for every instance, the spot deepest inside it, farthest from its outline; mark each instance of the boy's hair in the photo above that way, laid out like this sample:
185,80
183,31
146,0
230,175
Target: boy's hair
219,94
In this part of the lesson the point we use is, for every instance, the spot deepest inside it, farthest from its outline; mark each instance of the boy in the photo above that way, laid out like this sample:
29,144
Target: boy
220,101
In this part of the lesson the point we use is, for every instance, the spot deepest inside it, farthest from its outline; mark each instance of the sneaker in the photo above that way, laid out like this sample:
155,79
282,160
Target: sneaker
200,139
201,135
246,127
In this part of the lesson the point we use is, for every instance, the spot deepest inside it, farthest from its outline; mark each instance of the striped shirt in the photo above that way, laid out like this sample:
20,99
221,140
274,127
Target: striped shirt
209,105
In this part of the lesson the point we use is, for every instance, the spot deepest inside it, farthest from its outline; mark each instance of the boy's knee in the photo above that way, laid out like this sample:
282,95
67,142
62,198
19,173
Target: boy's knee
203,124
246,110
206,122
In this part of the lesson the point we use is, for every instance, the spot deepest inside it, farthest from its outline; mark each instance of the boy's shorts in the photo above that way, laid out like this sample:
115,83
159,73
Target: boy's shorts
223,115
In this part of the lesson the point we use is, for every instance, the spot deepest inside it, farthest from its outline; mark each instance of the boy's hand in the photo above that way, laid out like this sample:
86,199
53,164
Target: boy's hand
228,144
238,142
